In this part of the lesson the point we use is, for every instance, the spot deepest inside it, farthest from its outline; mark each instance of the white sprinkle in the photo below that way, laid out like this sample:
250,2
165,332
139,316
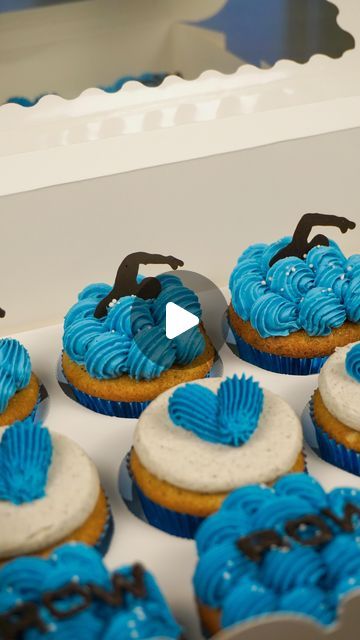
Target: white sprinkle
349,268
282,289
114,300
329,289
52,627
270,278
226,575
263,282
139,611
342,277
293,269
18,602
311,266
75,579
287,273
352,581
305,255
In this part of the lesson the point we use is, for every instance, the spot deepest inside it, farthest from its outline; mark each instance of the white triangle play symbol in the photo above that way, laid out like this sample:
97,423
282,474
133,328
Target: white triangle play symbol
178,320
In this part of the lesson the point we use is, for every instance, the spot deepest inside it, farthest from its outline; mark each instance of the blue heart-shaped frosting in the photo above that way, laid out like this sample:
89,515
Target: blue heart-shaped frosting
25,457
229,417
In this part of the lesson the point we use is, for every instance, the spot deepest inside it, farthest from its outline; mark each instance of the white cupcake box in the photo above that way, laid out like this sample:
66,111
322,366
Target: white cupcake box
202,167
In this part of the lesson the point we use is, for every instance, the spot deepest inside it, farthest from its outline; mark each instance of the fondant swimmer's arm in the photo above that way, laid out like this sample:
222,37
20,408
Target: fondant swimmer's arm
126,283
300,244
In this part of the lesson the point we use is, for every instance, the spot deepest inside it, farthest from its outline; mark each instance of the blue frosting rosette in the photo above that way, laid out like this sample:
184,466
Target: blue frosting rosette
291,548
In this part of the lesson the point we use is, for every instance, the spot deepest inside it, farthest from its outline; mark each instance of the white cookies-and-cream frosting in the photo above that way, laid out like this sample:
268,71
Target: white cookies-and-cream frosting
181,458
339,391
72,492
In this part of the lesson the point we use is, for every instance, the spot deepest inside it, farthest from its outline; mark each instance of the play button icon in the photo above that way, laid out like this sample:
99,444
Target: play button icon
178,320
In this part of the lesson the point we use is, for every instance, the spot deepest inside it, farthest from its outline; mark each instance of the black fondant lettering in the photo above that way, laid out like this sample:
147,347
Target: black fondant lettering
345,523
256,544
321,535
300,244
71,590
19,619
26,615
121,585
126,283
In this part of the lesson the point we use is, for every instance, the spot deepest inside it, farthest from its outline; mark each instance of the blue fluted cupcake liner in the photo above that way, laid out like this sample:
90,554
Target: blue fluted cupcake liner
275,363
168,520
332,451
173,522
117,409
177,524
103,543
109,407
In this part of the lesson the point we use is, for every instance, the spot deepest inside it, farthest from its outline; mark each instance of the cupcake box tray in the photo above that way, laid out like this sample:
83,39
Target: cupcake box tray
107,440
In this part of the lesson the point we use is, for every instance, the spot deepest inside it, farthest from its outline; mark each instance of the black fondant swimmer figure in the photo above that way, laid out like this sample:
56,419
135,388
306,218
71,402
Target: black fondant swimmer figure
126,279
2,313
300,245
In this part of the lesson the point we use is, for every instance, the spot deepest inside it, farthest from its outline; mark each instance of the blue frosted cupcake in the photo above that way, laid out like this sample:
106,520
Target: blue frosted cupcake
195,444
116,355
289,549
335,409
50,493
293,302
73,595
19,386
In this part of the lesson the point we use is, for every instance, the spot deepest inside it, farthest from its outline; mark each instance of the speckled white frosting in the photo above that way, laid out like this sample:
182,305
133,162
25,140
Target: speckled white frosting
181,458
71,495
339,391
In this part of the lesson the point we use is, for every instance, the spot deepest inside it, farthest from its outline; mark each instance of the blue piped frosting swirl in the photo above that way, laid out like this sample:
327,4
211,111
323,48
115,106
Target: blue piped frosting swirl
25,458
15,370
352,362
316,294
27,579
131,338
299,580
229,417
